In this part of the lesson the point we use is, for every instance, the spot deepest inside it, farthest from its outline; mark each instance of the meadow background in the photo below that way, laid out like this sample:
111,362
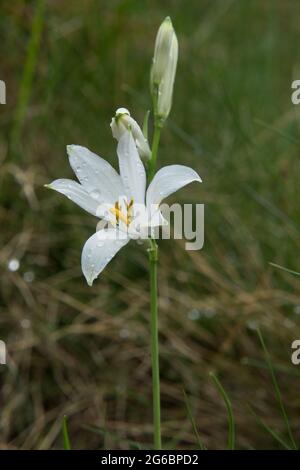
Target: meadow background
84,352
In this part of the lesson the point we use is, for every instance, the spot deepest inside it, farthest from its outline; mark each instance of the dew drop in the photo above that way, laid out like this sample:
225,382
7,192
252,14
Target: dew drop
95,194
29,276
13,264
25,323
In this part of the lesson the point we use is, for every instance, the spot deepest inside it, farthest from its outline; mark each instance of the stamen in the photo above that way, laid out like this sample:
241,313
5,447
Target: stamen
119,214
130,204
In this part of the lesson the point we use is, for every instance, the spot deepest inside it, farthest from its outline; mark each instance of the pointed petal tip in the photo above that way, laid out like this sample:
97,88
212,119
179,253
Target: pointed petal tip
196,175
89,279
70,147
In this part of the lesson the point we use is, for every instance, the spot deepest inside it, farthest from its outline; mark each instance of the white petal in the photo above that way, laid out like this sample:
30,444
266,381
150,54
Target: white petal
122,122
168,180
95,174
76,193
157,219
99,249
131,169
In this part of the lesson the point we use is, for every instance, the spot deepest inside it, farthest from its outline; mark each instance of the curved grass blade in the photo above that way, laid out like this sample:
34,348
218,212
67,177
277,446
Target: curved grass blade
274,434
191,418
277,390
231,424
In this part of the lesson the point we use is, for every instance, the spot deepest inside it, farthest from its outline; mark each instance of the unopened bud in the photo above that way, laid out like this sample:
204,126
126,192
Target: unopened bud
121,123
163,69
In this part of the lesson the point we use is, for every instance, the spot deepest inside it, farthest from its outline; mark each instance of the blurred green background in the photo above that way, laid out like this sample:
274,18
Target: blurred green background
84,351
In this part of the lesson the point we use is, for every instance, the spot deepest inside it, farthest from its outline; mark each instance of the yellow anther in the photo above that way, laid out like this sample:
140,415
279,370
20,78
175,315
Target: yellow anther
130,204
119,214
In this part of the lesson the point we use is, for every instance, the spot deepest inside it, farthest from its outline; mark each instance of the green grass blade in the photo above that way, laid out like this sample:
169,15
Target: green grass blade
114,436
287,270
231,424
277,389
274,434
28,73
66,439
191,418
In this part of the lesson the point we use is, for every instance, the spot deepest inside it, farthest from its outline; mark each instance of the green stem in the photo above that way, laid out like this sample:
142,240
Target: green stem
231,425
153,256
277,390
155,144
67,444
28,75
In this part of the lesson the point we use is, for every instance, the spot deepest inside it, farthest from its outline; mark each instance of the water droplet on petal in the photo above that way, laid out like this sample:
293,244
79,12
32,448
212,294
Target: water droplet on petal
95,194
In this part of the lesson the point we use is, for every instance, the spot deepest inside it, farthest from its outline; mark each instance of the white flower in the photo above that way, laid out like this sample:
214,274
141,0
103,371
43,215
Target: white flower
163,69
121,199
123,122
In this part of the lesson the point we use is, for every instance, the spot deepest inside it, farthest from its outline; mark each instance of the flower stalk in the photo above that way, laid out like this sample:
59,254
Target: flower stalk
161,84
153,257
155,144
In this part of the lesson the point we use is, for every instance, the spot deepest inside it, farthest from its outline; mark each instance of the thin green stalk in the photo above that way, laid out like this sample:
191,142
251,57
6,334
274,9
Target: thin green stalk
155,144
67,443
191,418
28,74
153,257
277,390
231,425
287,270
269,430
153,254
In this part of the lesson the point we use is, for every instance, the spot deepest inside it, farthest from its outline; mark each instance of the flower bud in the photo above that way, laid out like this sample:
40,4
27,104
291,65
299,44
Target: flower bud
121,123
164,68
